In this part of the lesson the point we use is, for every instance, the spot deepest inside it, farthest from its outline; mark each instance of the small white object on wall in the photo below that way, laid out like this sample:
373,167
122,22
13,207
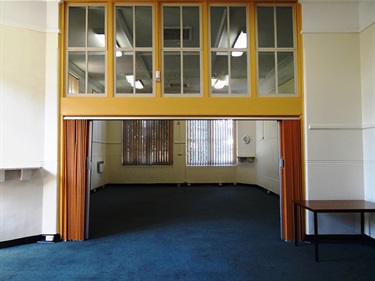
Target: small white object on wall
100,167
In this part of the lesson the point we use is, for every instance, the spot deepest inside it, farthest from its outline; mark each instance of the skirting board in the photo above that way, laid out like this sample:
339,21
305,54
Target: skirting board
42,238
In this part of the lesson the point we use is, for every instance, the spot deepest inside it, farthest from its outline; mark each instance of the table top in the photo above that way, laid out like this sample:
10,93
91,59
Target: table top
336,205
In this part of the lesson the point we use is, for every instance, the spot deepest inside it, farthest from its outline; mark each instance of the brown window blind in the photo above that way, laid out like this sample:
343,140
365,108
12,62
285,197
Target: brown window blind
147,142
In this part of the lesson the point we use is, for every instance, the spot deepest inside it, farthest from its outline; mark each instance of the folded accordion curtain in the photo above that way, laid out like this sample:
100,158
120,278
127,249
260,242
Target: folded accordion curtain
291,174
74,186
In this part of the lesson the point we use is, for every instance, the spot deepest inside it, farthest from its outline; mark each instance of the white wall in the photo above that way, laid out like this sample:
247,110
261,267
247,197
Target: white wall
268,155
333,108
28,117
367,49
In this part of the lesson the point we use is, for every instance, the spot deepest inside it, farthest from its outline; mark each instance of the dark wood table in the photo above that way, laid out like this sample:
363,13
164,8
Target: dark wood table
331,206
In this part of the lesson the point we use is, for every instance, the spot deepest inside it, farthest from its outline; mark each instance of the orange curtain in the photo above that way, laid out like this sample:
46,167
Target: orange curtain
291,174
75,179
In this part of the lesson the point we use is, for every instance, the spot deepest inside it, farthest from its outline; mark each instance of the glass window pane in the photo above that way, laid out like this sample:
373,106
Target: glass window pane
124,27
237,25
210,142
96,72
266,73
219,30
219,72
265,21
96,27
172,27
284,19
285,67
124,73
238,80
143,26
77,27
191,70
172,73
77,67
143,72
191,27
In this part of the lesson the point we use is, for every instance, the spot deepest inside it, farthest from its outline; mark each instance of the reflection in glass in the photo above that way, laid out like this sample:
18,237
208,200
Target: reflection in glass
284,20
266,73
229,46
219,72
181,44
190,21
171,26
77,67
238,80
237,25
265,21
96,72
143,72
285,73
124,27
143,26
77,27
134,69
172,73
96,30
191,70
124,68
219,31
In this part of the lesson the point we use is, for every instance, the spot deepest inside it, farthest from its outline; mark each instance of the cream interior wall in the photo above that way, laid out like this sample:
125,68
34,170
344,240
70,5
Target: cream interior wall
334,163
334,129
367,45
268,155
22,130
22,97
28,117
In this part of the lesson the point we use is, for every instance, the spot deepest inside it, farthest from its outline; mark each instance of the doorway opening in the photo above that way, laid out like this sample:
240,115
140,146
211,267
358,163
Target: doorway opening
285,135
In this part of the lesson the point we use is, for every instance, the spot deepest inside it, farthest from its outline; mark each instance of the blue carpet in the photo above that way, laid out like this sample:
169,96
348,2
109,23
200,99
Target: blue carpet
185,233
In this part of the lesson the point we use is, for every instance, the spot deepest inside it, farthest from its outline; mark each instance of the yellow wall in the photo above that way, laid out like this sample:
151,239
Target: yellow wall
181,106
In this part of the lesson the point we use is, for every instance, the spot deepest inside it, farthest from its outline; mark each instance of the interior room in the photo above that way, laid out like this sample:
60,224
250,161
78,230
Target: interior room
256,159
289,74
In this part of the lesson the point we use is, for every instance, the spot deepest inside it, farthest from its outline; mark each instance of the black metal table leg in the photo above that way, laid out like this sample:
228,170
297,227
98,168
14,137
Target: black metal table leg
362,228
316,236
295,225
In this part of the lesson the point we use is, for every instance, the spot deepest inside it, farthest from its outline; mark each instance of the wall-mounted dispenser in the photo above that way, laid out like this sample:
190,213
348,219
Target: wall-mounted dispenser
100,167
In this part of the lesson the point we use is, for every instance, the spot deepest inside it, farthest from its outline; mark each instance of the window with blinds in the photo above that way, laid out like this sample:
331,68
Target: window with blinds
210,143
147,142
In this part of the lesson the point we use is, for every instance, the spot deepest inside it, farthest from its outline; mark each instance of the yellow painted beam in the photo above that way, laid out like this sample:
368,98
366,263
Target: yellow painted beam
181,106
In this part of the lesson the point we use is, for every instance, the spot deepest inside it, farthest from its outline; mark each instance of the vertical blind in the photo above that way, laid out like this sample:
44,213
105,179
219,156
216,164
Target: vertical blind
210,143
147,142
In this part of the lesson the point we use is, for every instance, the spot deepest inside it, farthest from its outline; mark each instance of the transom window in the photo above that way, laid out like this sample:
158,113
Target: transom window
275,50
188,49
86,49
134,46
229,52
181,50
